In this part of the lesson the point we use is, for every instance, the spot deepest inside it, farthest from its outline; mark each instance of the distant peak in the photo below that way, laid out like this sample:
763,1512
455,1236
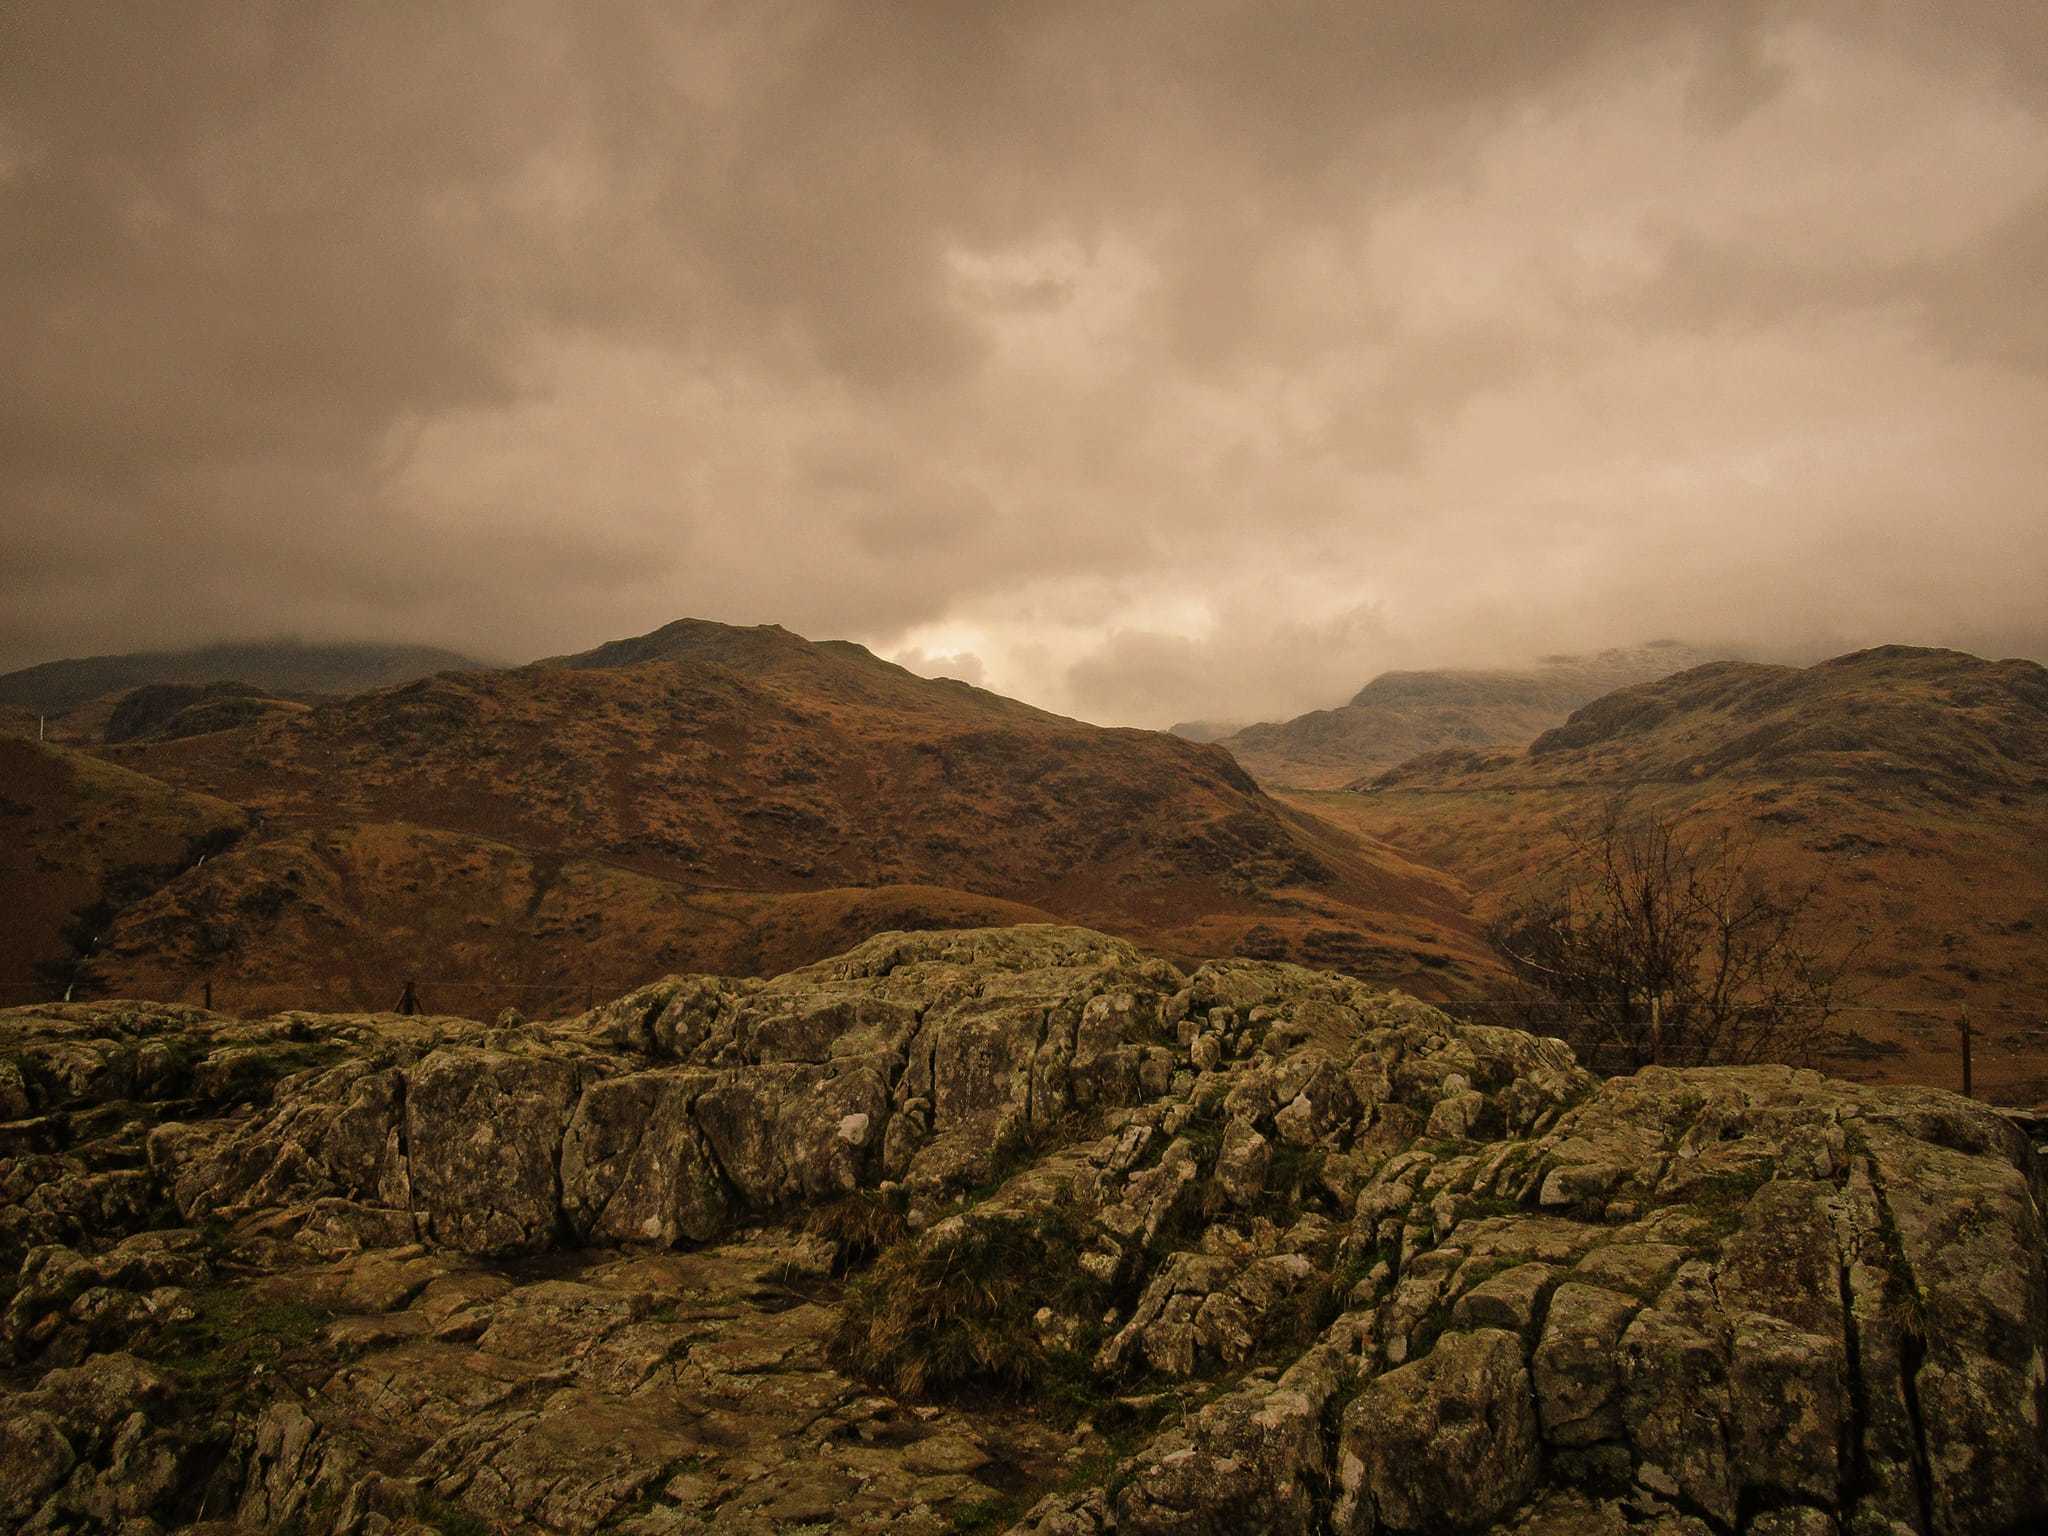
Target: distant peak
1878,654
703,640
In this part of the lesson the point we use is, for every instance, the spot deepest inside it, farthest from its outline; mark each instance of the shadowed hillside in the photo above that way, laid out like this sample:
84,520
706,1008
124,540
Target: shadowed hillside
80,840
271,666
1911,785
733,798
1401,714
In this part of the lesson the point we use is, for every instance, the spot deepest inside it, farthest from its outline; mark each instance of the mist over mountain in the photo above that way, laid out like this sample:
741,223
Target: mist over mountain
1205,730
1399,715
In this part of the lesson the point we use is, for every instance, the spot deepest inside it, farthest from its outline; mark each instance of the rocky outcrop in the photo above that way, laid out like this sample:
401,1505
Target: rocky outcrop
1252,1248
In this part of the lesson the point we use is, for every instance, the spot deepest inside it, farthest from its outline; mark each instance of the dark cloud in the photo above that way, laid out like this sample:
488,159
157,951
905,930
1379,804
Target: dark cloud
1161,360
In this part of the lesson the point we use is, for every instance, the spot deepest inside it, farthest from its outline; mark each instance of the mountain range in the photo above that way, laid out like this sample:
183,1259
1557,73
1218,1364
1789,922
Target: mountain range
711,798
742,800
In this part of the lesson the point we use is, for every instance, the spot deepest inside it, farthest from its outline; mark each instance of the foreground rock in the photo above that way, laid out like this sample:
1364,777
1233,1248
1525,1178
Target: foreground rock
1003,1229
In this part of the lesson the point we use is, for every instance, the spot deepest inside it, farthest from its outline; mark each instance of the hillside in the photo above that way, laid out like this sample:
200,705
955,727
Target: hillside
1911,785
272,666
167,711
1012,1230
80,840
738,798
1399,715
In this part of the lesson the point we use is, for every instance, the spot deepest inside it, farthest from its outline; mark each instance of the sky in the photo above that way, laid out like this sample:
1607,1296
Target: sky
1146,361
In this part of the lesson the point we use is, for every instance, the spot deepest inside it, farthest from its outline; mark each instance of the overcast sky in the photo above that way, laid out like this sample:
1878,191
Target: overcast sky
1145,361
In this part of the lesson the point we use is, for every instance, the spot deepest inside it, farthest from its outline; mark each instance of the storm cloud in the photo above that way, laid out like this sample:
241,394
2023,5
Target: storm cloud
1146,360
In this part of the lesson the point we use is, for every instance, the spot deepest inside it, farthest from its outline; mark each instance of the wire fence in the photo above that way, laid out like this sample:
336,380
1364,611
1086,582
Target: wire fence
219,993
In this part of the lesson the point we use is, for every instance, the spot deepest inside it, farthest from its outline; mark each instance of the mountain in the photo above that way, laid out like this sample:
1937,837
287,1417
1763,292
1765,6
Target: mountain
271,666
742,799
1015,1230
1909,785
1399,715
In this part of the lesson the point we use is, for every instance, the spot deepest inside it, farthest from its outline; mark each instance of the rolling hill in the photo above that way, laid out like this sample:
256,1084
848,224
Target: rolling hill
1399,715
712,798
1909,785
284,667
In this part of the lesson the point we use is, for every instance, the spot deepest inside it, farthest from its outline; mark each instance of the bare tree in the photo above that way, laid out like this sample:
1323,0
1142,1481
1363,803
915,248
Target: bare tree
1660,949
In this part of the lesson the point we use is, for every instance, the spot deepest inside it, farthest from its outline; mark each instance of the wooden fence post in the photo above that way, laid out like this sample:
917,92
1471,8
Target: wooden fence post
1963,1029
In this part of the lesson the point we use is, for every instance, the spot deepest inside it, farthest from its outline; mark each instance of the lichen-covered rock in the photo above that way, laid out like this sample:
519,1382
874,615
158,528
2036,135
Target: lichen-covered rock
1575,1371
1446,1443
484,1129
635,1168
1250,1248
1253,1460
34,1458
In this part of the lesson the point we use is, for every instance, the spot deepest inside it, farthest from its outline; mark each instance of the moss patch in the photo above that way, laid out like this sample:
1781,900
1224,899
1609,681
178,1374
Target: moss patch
220,1356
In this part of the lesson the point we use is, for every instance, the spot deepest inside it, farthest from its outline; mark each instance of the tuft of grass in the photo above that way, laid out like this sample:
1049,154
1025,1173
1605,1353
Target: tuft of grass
1204,1132
1431,1328
1323,1302
931,1317
859,1226
1293,1173
1020,1144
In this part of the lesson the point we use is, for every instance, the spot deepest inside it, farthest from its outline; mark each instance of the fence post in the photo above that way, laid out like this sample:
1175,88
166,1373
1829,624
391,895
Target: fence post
208,984
1963,1029
1657,1030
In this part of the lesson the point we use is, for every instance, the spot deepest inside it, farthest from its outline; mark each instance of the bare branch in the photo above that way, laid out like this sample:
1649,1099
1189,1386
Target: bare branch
1648,914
